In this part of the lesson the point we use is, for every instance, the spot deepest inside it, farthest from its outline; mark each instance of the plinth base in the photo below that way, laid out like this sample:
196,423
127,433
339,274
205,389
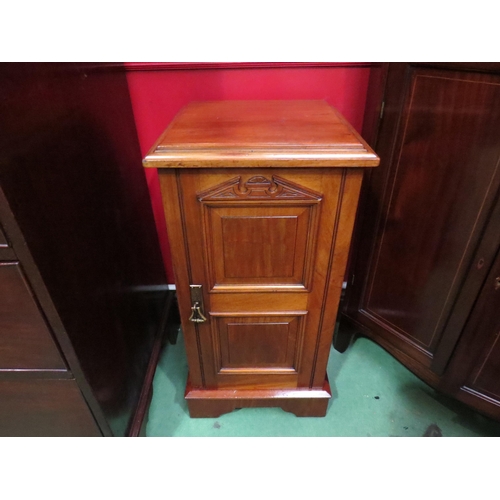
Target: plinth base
212,403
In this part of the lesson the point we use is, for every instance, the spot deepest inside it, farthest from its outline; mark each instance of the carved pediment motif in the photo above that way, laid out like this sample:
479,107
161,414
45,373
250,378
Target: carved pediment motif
259,188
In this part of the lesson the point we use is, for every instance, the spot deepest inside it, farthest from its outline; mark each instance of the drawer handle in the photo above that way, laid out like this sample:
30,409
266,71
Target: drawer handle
196,314
497,282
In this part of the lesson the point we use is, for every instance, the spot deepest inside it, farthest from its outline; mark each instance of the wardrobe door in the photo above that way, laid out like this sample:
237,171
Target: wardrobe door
426,205
473,375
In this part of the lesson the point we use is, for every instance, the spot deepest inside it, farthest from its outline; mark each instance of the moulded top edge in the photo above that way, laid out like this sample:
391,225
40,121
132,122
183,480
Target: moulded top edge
260,133
210,159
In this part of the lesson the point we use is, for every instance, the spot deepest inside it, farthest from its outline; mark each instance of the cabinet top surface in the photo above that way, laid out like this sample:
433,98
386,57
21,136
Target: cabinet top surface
260,134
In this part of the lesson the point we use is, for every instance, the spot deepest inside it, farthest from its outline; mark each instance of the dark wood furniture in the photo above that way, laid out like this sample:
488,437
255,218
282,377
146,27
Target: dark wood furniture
423,281
82,285
260,199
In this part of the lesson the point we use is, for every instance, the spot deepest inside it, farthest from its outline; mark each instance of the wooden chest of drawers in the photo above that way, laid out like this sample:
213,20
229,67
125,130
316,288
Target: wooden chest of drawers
260,199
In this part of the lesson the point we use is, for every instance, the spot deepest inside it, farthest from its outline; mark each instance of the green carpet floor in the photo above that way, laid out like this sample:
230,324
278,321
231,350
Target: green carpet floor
372,395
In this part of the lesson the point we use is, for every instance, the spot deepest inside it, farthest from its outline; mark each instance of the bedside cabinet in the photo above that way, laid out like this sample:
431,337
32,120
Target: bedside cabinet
260,199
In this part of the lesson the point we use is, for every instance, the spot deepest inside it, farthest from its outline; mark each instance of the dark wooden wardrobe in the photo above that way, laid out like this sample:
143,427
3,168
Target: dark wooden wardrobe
82,284
424,279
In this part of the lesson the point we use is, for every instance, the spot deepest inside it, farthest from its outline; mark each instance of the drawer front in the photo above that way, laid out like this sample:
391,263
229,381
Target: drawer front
39,407
25,340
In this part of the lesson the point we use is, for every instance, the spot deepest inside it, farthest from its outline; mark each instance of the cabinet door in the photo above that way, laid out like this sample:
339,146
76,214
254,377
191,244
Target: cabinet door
473,375
269,249
426,205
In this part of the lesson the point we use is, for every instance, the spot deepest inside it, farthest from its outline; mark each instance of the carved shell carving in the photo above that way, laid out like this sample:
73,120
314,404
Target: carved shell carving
259,188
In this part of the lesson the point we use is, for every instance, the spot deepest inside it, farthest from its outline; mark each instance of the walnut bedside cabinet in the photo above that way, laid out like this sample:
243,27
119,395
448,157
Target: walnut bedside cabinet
260,199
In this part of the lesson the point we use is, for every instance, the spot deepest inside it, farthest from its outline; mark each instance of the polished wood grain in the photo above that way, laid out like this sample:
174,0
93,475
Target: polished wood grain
260,134
247,343
44,408
270,239
278,238
269,248
479,268
25,341
423,245
257,343
433,194
421,284
196,181
74,205
300,402
473,374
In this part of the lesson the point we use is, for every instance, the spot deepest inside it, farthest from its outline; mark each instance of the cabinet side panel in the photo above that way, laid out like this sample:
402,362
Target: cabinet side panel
172,203
335,269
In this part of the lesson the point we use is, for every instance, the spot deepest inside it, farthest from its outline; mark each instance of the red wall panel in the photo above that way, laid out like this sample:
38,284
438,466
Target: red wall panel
159,91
